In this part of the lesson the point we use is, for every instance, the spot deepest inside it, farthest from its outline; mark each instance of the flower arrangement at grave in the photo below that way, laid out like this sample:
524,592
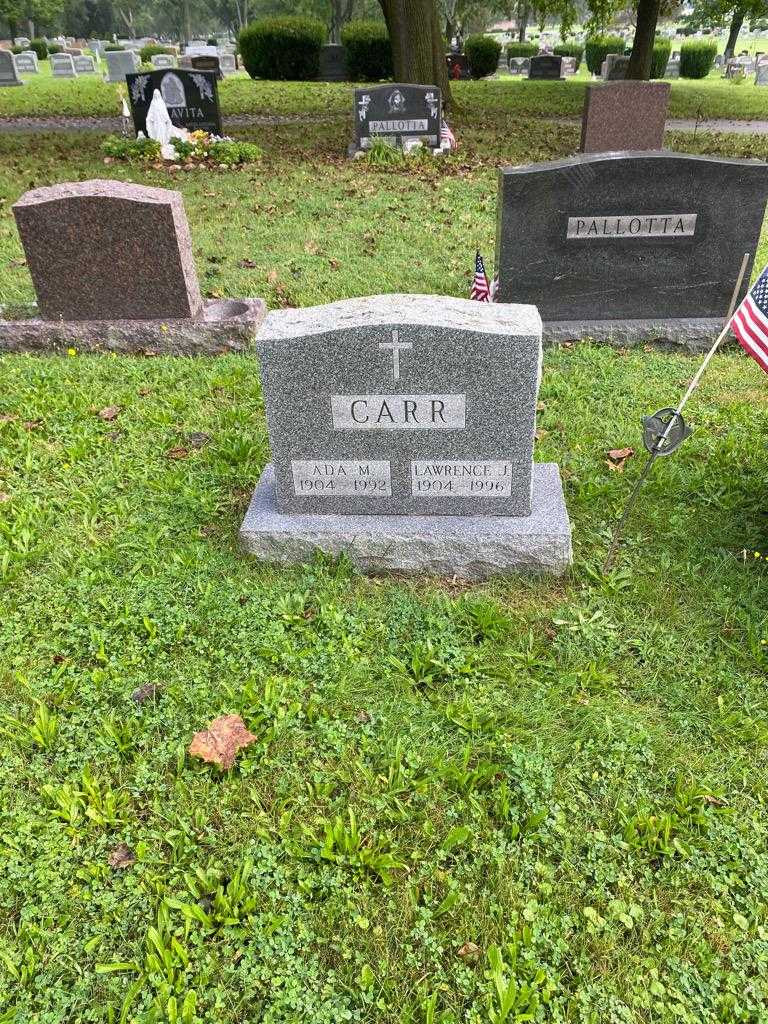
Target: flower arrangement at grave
165,143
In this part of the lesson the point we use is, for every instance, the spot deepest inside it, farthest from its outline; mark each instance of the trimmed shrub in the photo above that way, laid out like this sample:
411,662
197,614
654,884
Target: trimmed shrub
570,50
367,50
212,41
697,57
112,46
597,48
151,50
40,47
283,49
661,51
522,49
483,55
55,48
17,49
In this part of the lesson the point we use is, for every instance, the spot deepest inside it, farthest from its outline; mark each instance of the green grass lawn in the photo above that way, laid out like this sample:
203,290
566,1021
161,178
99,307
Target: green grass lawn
548,795
43,96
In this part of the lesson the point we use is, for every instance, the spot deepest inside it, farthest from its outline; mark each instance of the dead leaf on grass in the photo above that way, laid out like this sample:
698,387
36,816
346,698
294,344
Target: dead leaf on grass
469,952
197,439
617,458
4,497
109,413
247,264
121,857
220,742
179,452
144,693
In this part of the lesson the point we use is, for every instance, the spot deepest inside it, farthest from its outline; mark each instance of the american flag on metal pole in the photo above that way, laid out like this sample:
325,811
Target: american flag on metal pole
480,290
750,322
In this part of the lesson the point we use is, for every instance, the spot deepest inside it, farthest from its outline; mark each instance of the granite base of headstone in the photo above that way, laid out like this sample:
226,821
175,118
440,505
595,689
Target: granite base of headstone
116,272
624,116
333,64
402,431
628,247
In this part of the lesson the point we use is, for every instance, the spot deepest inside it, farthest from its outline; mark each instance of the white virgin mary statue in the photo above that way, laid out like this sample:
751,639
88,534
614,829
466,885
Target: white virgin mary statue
161,128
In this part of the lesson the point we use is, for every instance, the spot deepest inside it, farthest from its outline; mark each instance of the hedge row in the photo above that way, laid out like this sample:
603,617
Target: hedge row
367,50
282,48
522,49
152,50
575,50
597,49
697,57
661,51
483,55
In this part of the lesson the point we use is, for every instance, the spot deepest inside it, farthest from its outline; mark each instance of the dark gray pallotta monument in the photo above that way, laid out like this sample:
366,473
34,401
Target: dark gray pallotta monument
628,246
402,431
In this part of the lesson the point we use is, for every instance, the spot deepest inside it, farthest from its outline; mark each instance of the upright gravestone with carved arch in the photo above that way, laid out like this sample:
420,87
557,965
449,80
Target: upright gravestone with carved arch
191,97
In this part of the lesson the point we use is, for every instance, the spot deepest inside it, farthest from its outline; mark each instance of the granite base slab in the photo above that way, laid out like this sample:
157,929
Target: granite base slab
469,548
226,325
692,334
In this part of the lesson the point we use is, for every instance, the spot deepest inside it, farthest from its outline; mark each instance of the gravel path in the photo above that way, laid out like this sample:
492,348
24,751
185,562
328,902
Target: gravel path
113,124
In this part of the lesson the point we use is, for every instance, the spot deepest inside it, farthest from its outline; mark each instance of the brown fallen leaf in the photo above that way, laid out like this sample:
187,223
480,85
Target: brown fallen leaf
273,277
247,264
8,417
4,497
617,458
311,248
179,452
363,717
221,741
243,599
32,424
109,413
469,952
121,857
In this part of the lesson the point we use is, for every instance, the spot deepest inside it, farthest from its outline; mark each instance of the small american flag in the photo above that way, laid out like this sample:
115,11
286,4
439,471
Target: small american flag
750,321
480,290
446,135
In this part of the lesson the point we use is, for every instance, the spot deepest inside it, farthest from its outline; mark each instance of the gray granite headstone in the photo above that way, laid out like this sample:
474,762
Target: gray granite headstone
120,63
27,63
162,60
761,75
673,69
397,113
519,65
546,66
8,73
627,236
402,431
616,67
228,63
62,65
85,65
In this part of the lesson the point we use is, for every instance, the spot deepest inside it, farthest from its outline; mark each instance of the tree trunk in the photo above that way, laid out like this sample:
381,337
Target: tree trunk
642,47
31,28
417,43
522,24
13,28
733,35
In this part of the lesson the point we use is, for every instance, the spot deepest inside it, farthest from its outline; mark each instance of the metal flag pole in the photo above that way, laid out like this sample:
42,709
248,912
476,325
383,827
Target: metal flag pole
665,431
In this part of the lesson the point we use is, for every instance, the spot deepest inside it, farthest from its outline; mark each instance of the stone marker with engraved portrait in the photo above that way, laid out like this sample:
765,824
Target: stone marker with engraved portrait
397,114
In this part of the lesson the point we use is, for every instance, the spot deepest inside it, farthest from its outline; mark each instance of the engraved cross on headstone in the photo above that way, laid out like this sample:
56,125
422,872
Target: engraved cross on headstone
397,347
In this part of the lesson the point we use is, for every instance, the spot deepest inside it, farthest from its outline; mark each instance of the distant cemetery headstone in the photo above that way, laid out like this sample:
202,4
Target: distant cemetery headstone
333,64
761,74
605,125
616,65
73,51
228,63
546,66
123,252
207,62
502,68
8,73
673,69
23,41
458,66
570,66
85,65
62,65
615,241
519,65
402,431
192,98
397,113
163,60
120,63
27,63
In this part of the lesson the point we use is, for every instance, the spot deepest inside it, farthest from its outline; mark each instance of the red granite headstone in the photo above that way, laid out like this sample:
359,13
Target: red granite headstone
625,115
108,250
